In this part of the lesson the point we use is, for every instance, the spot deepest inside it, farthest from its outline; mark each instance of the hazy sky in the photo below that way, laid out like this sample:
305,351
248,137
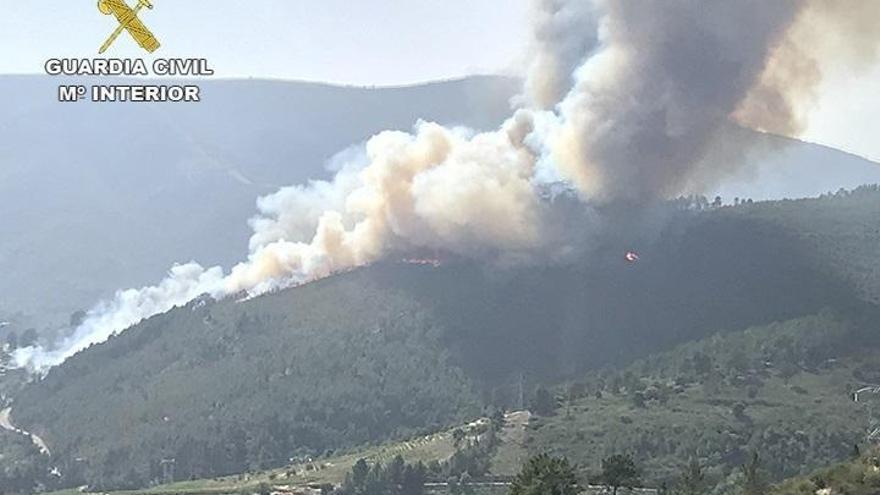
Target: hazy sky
848,113
362,42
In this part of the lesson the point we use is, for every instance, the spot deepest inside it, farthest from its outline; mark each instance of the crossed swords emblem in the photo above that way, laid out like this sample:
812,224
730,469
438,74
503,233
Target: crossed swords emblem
128,21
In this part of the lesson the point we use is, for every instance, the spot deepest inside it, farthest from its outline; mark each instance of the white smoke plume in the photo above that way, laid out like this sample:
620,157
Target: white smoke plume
623,99
468,193
128,307
564,34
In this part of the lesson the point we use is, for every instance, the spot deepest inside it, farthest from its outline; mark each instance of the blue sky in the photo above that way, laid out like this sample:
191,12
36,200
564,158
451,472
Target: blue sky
364,42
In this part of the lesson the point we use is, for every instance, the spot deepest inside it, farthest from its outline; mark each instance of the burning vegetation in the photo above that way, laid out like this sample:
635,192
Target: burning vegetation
621,101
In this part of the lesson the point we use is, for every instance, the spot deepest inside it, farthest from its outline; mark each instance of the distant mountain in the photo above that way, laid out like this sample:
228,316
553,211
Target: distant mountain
394,348
776,167
94,198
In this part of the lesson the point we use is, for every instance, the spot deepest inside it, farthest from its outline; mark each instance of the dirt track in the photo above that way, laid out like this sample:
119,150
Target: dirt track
6,424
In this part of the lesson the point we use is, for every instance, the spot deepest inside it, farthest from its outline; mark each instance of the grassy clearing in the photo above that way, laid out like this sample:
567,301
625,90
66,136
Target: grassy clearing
436,447
332,470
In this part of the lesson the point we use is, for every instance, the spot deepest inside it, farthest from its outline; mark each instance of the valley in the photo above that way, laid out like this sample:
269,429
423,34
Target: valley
537,247
407,351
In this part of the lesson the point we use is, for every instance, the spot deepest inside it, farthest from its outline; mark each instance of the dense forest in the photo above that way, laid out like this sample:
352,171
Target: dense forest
23,469
783,389
397,349
225,388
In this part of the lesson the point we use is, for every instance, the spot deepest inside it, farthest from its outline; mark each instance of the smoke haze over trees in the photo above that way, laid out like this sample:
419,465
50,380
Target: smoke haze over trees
633,124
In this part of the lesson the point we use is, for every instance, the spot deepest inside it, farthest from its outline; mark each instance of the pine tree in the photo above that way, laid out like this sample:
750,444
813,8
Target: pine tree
619,471
545,475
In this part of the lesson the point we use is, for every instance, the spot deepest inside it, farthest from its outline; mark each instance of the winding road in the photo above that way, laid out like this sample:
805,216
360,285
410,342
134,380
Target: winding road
6,424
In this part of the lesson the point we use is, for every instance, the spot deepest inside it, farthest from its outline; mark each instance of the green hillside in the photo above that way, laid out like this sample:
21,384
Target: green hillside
228,387
21,464
188,176
859,476
839,233
782,390
394,349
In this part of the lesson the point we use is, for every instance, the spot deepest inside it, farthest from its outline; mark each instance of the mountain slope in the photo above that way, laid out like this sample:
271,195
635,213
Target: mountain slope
782,390
394,348
223,388
858,476
99,197
839,234
775,167
94,198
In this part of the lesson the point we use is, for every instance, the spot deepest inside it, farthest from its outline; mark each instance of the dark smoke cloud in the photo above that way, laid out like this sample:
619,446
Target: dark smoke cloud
668,75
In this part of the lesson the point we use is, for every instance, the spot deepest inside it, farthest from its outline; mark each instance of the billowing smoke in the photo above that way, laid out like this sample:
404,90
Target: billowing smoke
648,103
470,194
128,307
668,76
622,100
825,36
564,34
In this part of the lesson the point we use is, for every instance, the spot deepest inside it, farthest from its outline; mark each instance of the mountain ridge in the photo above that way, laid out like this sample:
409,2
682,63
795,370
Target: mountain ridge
394,349
187,177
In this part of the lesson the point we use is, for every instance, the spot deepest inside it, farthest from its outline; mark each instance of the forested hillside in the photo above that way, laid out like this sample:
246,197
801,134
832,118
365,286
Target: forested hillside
187,180
394,348
782,390
840,233
857,476
23,468
227,387
189,175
